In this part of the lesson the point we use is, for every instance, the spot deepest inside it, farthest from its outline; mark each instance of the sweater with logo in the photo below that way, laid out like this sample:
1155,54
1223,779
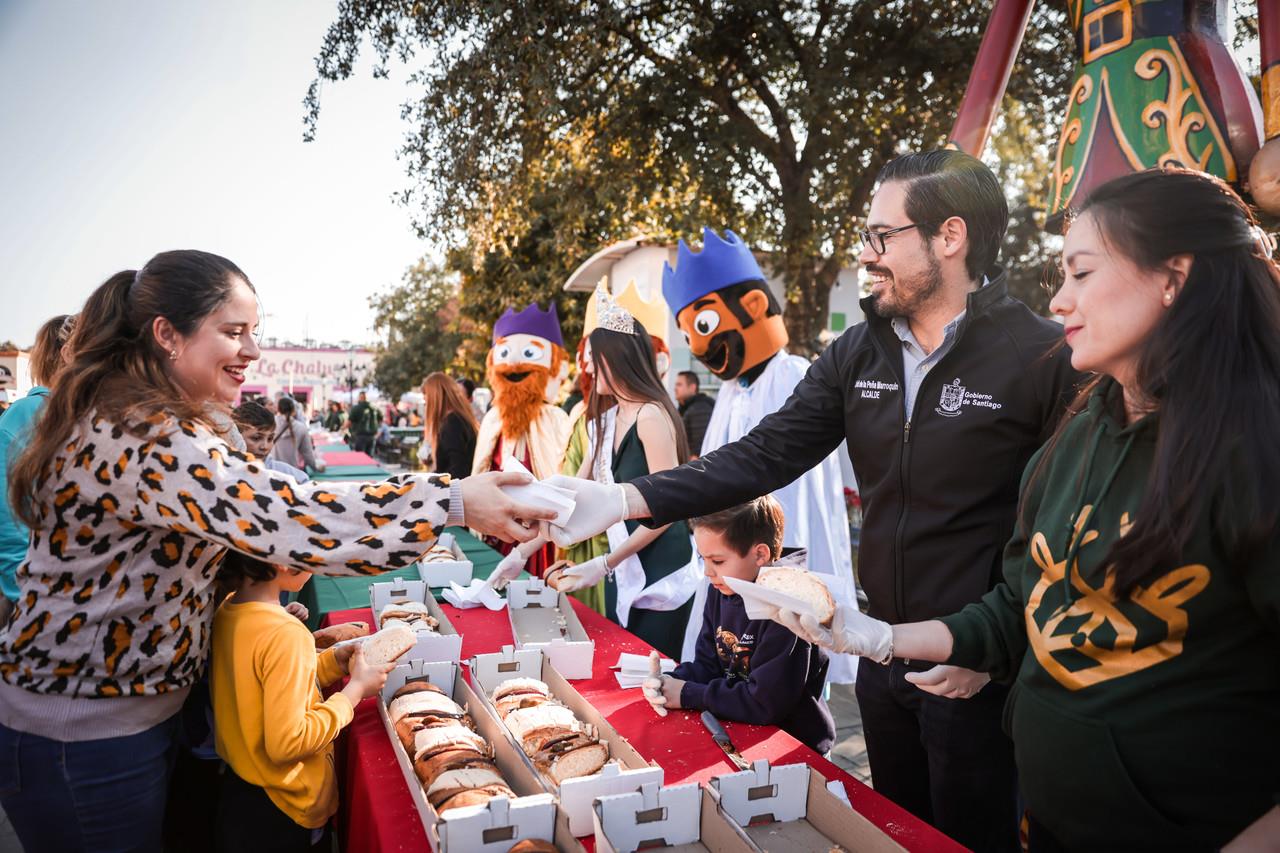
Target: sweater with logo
939,491
756,671
1147,721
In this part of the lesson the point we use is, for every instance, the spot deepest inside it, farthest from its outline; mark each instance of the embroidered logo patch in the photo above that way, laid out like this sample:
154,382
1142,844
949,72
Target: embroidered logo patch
955,397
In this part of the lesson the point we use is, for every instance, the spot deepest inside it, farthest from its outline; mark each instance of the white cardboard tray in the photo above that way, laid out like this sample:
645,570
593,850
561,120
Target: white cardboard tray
440,574
497,825
788,809
532,607
444,645
681,818
627,771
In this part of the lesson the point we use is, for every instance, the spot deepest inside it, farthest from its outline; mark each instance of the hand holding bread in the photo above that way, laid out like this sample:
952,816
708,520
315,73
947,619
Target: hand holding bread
652,686
367,677
581,576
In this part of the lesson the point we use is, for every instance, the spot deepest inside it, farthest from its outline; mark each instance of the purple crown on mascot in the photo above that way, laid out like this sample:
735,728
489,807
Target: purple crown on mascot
723,261
531,321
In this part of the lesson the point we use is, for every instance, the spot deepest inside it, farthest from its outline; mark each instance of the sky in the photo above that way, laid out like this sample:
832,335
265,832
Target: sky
131,128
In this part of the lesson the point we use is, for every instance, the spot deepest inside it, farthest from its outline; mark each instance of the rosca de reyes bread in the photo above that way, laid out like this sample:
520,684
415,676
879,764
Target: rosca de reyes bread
415,614
560,745
803,585
438,554
327,637
453,764
389,644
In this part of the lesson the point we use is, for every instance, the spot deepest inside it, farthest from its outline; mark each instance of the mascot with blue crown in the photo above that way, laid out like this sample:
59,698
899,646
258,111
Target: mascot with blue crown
733,323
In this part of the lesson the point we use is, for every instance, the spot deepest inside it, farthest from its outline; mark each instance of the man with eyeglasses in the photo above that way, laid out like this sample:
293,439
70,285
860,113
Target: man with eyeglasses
943,394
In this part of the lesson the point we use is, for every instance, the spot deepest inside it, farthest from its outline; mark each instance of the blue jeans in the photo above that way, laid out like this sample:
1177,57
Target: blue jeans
94,795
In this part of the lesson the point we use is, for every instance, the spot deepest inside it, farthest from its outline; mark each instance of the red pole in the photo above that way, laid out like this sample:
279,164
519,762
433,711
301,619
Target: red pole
990,74
1269,48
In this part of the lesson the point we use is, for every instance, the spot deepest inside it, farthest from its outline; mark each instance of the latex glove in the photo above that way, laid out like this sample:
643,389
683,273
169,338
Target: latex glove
583,575
489,510
851,632
949,682
597,508
652,686
298,610
507,569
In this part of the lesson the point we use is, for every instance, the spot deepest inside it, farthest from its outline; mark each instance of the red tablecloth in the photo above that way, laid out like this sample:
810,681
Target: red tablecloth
377,814
347,457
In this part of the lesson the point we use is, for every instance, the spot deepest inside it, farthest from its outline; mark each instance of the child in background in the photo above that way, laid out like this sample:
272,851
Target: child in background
750,670
271,725
258,429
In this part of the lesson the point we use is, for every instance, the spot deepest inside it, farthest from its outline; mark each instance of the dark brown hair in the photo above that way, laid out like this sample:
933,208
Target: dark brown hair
631,365
118,370
253,414
744,526
236,568
46,352
1209,367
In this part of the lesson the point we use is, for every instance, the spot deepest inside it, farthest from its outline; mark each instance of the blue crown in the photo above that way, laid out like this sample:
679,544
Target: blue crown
721,262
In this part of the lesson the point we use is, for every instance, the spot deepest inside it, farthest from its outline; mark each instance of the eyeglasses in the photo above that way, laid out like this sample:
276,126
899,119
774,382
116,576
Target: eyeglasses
875,239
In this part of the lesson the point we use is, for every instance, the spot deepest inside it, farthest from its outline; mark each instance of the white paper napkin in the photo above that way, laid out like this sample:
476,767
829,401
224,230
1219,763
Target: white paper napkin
539,494
634,669
759,601
478,594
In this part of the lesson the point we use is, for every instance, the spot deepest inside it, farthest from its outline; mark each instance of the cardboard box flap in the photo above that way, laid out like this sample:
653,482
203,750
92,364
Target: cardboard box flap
764,793
532,592
652,816
443,674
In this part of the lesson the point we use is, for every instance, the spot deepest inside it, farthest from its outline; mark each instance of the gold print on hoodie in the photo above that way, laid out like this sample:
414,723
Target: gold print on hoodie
1098,638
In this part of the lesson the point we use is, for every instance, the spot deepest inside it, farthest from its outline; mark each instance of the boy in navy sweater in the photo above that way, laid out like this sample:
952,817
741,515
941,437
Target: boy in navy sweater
750,670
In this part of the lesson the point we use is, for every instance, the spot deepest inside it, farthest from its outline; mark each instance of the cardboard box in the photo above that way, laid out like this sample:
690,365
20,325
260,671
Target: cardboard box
458,570
500,823
446,644
542,618
681,818
626,772
788,809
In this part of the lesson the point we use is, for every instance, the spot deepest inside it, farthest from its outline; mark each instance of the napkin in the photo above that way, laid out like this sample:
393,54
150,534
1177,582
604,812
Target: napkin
478,594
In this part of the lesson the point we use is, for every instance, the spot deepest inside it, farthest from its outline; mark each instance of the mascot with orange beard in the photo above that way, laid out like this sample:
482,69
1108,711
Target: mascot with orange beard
525,367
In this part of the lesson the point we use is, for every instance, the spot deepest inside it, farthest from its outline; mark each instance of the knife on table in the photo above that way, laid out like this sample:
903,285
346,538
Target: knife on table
721,737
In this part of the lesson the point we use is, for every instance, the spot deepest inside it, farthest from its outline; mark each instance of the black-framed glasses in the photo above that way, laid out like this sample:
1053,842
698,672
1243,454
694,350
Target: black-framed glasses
875,239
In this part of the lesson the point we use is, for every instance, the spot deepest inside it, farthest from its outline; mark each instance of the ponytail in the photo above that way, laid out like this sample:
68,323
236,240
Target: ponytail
117,370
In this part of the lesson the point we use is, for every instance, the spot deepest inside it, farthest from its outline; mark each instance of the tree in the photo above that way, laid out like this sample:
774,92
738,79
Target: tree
420,328
784,110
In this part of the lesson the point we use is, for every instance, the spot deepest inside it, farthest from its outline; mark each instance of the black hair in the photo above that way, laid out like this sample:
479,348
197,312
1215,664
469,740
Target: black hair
756,522
253,414
286,406
946,183
690,376
467,386
732,296
236,568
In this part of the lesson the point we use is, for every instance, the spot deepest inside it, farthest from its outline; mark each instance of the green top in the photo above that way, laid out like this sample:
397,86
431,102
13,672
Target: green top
671,551
1145,723
592,596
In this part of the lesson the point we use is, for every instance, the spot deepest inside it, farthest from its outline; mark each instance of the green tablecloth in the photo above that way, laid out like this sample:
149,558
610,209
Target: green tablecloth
325,594
332,448
350,472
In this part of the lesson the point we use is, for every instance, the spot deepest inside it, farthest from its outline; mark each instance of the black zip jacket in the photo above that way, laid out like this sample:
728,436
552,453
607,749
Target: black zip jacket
939,492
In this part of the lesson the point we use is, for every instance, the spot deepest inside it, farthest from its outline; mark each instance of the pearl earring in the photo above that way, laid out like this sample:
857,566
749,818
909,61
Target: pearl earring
1168,298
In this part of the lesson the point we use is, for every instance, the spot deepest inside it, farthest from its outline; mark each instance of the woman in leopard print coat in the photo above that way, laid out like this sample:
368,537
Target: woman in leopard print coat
133,496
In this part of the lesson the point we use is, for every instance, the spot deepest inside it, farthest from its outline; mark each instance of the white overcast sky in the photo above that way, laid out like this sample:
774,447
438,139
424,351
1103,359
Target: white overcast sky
128,127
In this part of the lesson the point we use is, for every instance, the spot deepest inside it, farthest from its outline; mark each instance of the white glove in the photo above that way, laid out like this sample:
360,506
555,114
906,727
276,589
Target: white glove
597,508
507,569
652,686
949,682
851,632
583,575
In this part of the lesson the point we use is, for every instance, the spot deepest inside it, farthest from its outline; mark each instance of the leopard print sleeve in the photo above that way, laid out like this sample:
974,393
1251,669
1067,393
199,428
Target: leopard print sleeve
192,483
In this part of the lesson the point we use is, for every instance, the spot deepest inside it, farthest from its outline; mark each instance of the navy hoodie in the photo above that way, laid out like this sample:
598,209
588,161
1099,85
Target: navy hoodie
756,671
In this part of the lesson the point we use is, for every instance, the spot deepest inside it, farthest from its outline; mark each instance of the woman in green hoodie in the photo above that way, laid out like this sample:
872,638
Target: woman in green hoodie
1140,612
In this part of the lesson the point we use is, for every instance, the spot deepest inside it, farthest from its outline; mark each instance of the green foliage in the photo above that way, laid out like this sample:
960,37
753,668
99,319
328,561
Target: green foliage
544,131
420,328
